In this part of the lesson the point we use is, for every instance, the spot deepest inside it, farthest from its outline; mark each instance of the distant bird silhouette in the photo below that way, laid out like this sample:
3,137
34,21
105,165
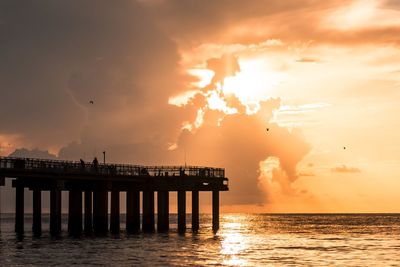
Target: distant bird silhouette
344,147
91,102
267,129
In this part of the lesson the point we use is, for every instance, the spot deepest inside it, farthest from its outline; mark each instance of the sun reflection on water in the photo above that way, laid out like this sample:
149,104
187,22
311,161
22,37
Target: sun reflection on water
233,243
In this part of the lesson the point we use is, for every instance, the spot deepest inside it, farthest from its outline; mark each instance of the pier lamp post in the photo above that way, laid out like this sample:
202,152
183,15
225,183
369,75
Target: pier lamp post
104,157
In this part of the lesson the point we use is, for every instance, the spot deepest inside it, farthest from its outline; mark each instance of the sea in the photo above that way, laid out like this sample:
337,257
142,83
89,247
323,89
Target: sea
243,240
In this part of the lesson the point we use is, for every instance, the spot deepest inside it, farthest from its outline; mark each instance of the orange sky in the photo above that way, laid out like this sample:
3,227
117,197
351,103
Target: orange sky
297,100
338,87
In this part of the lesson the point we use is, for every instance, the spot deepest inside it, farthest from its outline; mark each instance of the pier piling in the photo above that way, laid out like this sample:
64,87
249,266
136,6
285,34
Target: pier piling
88,228
215,210
19,209
37,212
195,211
162,211
115,212
55,211
132,211
2,183
148,211
100,210
181,211
75,212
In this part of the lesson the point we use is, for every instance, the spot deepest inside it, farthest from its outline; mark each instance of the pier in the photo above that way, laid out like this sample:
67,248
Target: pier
89,185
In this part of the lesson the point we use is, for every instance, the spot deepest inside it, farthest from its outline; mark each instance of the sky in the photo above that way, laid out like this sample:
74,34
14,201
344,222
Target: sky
298,100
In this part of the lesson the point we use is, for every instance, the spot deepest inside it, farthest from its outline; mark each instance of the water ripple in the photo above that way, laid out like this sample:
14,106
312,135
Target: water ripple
243,240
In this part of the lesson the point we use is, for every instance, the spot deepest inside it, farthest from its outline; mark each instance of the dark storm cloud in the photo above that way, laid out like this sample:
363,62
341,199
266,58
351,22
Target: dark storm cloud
57,56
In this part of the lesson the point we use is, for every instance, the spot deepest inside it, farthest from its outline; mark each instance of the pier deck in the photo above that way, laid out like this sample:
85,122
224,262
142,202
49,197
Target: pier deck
94,181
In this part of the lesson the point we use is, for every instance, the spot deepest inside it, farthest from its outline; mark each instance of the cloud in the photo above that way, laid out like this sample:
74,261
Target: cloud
34,153
345,169
306,174
239,144
59,56
249,22
239,141
223,67
394,4
273,179
236,21
298,115
307,60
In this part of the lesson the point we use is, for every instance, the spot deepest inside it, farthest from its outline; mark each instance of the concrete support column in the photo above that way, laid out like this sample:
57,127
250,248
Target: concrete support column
215,210
148,211
195,211
162,211
75,212
88,212
115,212
132,211
19,209
37,212
2,183
100,211
55,211
181,211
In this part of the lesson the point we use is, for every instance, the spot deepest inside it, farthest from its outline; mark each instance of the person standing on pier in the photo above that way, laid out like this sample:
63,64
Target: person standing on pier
82,164
95,164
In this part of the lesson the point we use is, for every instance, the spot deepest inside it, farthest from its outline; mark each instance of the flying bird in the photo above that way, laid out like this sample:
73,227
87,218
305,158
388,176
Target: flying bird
91,102
267,129
344,147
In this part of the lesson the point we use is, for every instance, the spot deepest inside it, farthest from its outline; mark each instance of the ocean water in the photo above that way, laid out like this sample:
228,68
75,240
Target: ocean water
243,240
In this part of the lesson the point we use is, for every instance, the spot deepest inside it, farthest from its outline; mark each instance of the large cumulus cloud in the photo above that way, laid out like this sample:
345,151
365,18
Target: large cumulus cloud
58,56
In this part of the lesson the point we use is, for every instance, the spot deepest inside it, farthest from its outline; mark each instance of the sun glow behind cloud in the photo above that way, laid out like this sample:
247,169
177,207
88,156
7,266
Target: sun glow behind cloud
204,77
216,102
253,83
182,99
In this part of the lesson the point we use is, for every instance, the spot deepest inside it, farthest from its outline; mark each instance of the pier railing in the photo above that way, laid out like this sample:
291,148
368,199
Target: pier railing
109,169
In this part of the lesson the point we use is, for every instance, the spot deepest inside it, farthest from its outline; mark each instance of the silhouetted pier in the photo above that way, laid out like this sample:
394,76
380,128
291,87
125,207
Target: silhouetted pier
94,181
